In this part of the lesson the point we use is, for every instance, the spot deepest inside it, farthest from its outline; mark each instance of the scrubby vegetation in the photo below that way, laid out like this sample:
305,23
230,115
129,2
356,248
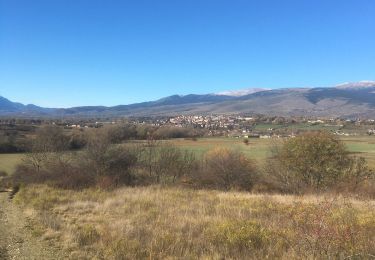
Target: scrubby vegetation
315,162
312,162
20,137
228,170
159,222
115,199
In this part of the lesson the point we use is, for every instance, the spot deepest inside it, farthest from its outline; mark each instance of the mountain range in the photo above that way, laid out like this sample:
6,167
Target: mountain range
345,100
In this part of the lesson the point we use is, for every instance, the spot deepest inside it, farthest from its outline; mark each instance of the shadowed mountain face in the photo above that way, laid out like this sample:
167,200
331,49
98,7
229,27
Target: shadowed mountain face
7,105
347,100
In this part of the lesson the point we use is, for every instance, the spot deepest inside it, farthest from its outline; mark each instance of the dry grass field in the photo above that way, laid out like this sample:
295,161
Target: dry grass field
164,222
171,223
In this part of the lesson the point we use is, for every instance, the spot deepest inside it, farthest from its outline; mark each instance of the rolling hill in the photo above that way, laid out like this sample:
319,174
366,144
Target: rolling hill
344,100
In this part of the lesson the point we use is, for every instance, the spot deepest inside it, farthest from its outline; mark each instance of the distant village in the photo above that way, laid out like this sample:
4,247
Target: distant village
246,126
236,126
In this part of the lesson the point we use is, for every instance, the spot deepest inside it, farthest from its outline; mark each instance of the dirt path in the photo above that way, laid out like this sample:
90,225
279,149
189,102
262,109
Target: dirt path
16,240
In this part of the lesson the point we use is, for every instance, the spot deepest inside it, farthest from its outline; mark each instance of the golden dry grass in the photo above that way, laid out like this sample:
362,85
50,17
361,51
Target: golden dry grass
170,223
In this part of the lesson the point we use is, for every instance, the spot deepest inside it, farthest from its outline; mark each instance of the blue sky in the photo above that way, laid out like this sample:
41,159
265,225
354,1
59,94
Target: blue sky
62,53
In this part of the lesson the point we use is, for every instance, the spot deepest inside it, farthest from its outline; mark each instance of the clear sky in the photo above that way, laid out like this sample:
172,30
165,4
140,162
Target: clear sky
62,53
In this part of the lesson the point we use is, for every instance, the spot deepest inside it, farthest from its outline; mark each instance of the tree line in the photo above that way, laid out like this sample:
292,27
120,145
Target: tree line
19,138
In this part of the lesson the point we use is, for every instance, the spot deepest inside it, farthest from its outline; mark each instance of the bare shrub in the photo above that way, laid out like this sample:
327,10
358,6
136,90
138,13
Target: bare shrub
227,169
78,140
98,143
60,171
49,140
110,161
100,162
27,174
164,162
107,161
67,175
173,163
177,132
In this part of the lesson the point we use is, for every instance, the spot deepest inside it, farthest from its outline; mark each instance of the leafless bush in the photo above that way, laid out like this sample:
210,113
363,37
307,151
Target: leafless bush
172,163
73,170
49,141
227,169
78,140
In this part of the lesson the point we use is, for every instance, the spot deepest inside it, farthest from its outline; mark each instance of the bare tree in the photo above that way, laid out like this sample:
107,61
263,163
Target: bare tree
48,142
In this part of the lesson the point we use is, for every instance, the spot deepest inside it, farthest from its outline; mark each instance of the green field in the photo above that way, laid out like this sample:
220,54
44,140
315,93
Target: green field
257,149
363,146
295,127
8,162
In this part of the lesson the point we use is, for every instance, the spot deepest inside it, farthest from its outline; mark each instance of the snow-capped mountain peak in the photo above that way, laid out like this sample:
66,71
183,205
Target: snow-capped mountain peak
240,92
359,84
